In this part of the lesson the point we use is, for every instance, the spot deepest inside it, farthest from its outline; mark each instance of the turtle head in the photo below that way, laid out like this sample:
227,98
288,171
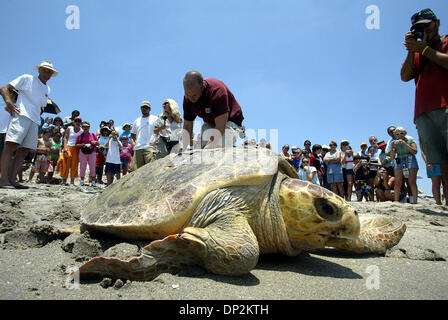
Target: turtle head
313,215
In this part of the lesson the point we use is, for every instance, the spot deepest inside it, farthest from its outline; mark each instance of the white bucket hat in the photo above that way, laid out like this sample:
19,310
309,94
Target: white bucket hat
47,65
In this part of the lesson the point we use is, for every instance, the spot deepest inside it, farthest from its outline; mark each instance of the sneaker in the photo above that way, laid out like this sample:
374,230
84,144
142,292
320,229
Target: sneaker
93,183
81,183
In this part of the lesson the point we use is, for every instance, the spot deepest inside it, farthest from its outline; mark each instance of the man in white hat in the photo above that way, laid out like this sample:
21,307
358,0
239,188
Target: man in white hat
31,93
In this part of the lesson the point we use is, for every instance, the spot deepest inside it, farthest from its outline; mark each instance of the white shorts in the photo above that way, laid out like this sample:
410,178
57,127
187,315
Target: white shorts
23,131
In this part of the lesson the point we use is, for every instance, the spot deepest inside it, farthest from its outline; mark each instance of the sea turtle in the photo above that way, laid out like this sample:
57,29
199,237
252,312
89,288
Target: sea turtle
220,209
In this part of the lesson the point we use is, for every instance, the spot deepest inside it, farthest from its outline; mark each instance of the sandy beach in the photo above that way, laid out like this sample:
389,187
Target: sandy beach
37,252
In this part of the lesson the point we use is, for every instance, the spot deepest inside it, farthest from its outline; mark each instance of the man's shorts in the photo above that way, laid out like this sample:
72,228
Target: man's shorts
432,129
144,156
23,131
112,167
435,172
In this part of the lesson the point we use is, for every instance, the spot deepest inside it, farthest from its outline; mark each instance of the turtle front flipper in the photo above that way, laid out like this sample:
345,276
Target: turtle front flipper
377,235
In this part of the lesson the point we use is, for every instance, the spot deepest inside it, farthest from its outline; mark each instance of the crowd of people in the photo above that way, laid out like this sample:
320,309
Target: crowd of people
378,171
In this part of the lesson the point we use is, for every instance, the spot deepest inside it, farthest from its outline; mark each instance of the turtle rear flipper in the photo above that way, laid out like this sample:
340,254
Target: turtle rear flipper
227,246
166,255
376,236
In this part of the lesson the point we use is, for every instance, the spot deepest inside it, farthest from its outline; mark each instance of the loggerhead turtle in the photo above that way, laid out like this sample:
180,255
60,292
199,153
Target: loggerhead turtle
220,209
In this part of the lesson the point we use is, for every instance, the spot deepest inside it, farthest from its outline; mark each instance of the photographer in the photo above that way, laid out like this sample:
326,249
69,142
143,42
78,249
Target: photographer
362,171
349,162
427,64
384,184
113,162
168,128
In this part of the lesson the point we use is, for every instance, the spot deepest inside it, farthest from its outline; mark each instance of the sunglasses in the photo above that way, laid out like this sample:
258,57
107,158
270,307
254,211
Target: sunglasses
400,133
305,162
165,103
307,144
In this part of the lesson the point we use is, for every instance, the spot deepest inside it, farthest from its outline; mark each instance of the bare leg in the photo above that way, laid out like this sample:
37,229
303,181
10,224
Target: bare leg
7,153
436,183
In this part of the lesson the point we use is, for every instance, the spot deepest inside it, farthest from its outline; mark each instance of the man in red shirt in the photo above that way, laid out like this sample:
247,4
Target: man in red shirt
427,64
211,100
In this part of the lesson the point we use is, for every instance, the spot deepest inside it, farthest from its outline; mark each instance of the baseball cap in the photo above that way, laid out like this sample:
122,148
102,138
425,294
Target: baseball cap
145,104
382,145
364,143
423,16
345,141
325,147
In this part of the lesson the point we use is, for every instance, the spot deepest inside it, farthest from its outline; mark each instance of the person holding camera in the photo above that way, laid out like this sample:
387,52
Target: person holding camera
349,163
404,150
168,128
113,162
362,172
427,63
86,142
384,184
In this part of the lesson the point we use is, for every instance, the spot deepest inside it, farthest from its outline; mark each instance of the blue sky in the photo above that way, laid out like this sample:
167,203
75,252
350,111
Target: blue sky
309,69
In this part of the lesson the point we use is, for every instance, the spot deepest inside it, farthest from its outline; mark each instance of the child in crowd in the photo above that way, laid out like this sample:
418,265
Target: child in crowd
125,154
113,158
55,149
41,160
99,164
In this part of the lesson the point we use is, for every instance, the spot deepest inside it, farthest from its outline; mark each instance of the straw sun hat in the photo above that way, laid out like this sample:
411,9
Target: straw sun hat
47,65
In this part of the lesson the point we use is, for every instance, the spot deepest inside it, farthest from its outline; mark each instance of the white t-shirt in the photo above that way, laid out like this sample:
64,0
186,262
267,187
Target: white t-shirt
33,95
143,128
113,153
4,118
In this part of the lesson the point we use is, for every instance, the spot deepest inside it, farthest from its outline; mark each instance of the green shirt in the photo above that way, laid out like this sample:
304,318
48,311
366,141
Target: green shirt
402,150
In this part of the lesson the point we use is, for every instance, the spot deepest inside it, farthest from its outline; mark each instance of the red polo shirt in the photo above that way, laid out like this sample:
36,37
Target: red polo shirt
216,100
431,83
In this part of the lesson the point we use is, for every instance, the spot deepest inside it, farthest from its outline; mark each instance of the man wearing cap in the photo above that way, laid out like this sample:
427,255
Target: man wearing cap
22,134
143,137
427,64
211,100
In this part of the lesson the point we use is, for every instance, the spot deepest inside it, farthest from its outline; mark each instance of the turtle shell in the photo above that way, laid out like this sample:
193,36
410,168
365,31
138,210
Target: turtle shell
159,198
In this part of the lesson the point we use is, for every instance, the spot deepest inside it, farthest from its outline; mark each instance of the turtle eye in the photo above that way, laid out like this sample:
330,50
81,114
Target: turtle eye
327,210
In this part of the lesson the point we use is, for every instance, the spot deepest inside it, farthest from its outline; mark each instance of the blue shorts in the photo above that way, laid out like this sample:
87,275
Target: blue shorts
334,178
435,172
410,161
125,163
112,167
